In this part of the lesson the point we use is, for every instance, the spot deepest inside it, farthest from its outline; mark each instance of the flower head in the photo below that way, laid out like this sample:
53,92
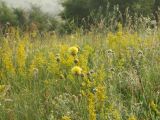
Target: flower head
76,70
73,50
76,61
153,105
132,117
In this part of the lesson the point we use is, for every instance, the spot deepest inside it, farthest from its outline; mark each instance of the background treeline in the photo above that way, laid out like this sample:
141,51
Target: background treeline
108,13
84,14
33,18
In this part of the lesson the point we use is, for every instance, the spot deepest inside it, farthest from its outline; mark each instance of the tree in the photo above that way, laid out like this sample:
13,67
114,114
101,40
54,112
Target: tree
22,17
75,10
156,10
7,15
78,10
26,18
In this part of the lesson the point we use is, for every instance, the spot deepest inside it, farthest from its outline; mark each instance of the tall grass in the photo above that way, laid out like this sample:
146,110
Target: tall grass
92,76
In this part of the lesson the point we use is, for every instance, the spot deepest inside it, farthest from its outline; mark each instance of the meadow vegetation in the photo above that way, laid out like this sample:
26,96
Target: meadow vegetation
99,64
91,76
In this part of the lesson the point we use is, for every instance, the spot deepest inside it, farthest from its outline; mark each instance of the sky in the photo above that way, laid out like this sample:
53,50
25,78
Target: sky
50,6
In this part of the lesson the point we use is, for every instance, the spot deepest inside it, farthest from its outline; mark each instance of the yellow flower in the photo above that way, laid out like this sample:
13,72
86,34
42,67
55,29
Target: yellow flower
21,56
76,70
91,106
73,50
100,92
132,117
6,54
153,105
66,118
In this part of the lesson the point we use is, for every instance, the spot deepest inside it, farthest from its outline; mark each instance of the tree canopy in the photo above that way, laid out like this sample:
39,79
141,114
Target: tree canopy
78,10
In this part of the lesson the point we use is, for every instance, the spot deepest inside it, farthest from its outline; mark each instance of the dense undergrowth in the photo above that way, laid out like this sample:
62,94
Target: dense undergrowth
92,76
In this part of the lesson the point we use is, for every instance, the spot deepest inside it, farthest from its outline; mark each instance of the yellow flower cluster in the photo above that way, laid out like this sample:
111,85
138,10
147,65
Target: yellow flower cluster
7,58
154,107
132,117
100,93
21,56
56,67
91,106
73,50
112,112
76,70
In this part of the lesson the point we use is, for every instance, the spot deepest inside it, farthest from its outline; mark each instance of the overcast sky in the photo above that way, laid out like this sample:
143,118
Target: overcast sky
50,6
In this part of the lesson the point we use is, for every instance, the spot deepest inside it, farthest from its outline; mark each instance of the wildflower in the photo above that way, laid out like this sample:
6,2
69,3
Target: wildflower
73,51
61,76
76,61
100,92
116,115
153,105
52,66
39,60
6,55
58,59
76,70
21,56
91,106
66,118
82,75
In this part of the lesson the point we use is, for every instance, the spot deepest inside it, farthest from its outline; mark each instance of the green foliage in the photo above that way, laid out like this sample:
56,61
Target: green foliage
86,12
39,18
92,76
24,19
143,7
21,17
75,10
7,14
